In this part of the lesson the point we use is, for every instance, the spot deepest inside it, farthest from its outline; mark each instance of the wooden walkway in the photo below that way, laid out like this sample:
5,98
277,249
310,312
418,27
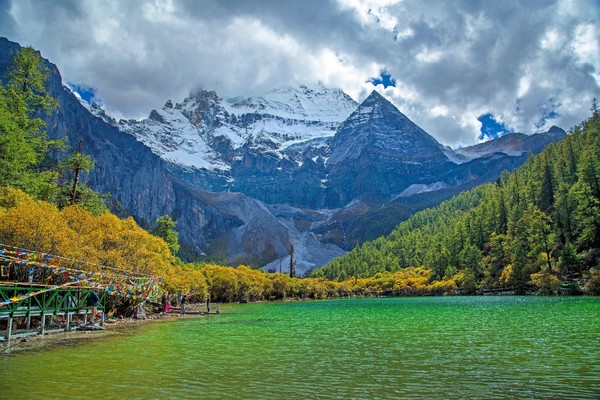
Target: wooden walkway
33,303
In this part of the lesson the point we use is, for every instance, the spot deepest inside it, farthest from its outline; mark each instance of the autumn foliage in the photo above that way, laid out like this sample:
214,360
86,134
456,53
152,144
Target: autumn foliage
237,284
75,233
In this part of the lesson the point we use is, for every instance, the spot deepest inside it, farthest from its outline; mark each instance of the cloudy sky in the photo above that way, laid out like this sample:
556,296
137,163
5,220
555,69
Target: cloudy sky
513,65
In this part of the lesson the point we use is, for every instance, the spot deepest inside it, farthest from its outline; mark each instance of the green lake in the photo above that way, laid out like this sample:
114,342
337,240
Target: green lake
396,348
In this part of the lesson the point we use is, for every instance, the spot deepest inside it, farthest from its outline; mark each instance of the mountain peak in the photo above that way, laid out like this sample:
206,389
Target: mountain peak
555,130
377,126
375,95
512,144
307,102
377,98
377,106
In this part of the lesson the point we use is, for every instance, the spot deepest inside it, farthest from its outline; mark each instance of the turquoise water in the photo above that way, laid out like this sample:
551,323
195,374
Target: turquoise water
409,348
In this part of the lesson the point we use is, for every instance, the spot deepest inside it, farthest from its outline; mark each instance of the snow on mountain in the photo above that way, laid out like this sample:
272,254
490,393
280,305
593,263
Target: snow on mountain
378,126
170,134
418,188
93,108
208,132
506,144
316,103
513,144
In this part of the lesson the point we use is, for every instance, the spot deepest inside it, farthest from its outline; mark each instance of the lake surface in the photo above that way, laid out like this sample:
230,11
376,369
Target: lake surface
409,348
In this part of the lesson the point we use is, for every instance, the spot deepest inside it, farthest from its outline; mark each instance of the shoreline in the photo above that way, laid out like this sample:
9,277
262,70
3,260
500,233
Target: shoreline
112,327
125,326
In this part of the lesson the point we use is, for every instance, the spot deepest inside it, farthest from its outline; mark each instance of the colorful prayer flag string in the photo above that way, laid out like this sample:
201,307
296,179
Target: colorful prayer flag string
117,282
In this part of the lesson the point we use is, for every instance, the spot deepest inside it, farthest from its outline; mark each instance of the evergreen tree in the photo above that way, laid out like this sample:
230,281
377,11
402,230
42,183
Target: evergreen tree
165,229
470,260
569,261
586,216
438,259
23,140
546,201
502,225
540,237
533,228
78,162
497,257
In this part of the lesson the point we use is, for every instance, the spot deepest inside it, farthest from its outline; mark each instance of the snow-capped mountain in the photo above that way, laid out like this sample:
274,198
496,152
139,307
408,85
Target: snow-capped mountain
378,126
310,167
212,133
513,144
311,147
379,152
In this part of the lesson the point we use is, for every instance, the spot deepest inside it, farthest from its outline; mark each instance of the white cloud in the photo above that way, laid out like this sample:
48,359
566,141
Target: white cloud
372,11
429,56
524,85
439,111
406,33
585,46
551,40
452,61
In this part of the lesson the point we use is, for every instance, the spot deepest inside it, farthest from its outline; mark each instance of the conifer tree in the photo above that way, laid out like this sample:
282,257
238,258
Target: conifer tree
23,140
533,228
165,229
77,163
546,201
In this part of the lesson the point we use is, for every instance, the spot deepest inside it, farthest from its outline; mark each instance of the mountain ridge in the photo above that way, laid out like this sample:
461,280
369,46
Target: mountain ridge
513,144
286,194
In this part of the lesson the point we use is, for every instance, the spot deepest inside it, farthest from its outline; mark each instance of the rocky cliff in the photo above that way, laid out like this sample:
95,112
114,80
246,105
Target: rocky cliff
246,177
230,226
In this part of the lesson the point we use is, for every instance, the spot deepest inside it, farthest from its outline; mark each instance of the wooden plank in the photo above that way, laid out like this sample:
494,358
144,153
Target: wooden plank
25,334
37,313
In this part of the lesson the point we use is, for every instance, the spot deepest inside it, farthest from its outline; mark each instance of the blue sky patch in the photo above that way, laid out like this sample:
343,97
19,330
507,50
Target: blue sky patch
87,93
490,128
385,79
548,112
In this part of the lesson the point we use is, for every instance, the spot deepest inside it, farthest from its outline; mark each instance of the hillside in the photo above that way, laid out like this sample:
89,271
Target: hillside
537,227
245,178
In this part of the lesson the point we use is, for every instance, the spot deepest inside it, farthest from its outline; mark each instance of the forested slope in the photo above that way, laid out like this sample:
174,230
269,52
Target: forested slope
537,227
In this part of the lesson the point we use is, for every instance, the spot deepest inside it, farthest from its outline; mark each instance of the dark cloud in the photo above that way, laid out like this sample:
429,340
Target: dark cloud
452,61
6,20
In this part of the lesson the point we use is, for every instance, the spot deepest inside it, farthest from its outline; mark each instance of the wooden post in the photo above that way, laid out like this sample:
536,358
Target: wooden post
292,262
9,330
28,314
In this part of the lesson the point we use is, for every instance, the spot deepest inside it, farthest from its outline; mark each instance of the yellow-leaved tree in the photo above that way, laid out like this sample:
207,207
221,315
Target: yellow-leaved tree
87,242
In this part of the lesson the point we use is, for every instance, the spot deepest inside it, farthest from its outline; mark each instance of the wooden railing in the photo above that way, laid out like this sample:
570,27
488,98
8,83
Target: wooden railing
33,301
